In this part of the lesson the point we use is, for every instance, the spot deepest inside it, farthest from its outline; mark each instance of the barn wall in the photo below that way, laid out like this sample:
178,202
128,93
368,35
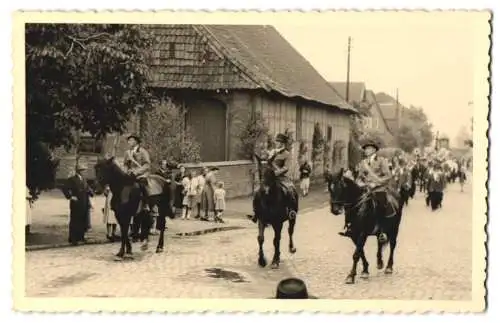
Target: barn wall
68,159
280,114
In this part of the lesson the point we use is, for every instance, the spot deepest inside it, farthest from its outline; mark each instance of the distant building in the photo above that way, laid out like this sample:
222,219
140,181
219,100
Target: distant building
391,110
359,95
443,142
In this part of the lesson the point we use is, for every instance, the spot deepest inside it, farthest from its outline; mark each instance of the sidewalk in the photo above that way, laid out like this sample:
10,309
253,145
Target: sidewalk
49,228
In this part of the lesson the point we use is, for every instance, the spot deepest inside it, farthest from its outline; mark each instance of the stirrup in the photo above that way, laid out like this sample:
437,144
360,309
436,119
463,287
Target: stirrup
292,214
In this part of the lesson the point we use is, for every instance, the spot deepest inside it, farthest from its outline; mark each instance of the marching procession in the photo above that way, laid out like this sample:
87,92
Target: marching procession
216,153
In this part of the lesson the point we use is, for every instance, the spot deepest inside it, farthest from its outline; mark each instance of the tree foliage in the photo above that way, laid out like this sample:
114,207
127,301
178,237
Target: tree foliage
167,137
254,135
83,77
415,129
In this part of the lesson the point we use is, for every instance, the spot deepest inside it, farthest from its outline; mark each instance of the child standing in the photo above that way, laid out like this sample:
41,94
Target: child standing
189,195
220,201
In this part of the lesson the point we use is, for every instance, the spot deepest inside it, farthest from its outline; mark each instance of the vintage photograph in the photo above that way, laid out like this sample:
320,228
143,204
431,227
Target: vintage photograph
328,156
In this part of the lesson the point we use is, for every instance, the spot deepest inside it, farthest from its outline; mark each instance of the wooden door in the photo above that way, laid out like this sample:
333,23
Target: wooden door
207,120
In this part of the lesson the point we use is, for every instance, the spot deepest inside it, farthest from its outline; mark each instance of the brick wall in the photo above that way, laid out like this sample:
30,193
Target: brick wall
236,175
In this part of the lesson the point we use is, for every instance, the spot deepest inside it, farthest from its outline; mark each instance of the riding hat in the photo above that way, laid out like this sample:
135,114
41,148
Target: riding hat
281,138
292,288
370,143
136,137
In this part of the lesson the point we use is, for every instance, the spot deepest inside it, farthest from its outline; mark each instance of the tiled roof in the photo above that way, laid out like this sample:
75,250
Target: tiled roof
211,57
371,98
355,90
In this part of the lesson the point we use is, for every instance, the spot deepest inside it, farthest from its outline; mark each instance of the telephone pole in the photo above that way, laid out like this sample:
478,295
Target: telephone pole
348,69
398,113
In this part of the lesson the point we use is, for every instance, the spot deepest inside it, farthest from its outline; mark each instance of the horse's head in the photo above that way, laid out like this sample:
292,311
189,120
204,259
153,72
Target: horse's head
342,189
266,171
108,171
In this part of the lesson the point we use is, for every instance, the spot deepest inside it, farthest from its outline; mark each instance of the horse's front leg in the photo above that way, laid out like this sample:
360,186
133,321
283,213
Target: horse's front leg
123,224
380,260
365,273
260,239
276,242
128,245
360,244
161,225
291,229
390,262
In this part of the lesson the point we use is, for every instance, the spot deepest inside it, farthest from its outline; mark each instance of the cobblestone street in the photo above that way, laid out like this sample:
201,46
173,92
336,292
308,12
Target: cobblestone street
433,260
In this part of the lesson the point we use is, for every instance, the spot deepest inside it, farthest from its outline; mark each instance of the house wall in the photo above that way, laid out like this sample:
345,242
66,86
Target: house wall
238,174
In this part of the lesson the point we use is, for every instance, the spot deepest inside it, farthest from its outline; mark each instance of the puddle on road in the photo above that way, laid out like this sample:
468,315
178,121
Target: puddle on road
229,275
65,281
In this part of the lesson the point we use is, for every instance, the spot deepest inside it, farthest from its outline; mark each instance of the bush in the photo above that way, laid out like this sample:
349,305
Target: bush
254,135
166,135
318,143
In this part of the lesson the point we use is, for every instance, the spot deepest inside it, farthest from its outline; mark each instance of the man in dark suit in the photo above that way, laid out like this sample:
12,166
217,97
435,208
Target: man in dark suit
78,192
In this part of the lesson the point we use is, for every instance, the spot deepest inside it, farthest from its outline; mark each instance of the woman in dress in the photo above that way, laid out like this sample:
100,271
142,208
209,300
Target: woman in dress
207,201
109,218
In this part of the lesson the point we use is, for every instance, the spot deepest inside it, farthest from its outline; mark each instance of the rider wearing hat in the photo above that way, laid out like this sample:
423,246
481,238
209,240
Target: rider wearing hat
138,163
374,173
281,165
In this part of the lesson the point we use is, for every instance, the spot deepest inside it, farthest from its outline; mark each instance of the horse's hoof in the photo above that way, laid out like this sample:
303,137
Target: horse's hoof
349,280
292,250
388,271
118,258
262,262
159,250
364,275
380,265
144,246
275,265
129,256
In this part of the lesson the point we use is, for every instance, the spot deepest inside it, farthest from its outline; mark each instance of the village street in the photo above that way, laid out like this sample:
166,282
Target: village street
433,261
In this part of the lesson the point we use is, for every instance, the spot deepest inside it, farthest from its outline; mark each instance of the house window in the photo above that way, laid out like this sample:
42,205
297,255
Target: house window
329,133
376,123
90,145
171,50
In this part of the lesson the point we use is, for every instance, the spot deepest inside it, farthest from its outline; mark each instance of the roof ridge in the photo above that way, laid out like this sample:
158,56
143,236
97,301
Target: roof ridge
221,49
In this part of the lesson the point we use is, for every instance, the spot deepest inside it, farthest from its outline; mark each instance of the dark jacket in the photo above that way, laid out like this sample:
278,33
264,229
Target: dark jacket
79,188
305,170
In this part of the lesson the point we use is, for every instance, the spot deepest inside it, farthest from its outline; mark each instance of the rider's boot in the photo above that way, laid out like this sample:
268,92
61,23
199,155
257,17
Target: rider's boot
347,230
292,204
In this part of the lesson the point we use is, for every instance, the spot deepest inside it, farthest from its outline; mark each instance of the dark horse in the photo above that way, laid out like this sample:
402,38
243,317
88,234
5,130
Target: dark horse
126,202
361,208
270,209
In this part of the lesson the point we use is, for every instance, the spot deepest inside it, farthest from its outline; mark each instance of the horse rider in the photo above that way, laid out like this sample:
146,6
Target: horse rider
281,164
138,163
374,175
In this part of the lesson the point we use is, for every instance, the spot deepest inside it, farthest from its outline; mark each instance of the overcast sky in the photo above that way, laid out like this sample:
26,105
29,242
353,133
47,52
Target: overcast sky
430,60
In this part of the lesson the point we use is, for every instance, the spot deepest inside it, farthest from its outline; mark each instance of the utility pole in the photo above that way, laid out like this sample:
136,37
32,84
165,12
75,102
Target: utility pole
437,140
398,114
348,69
